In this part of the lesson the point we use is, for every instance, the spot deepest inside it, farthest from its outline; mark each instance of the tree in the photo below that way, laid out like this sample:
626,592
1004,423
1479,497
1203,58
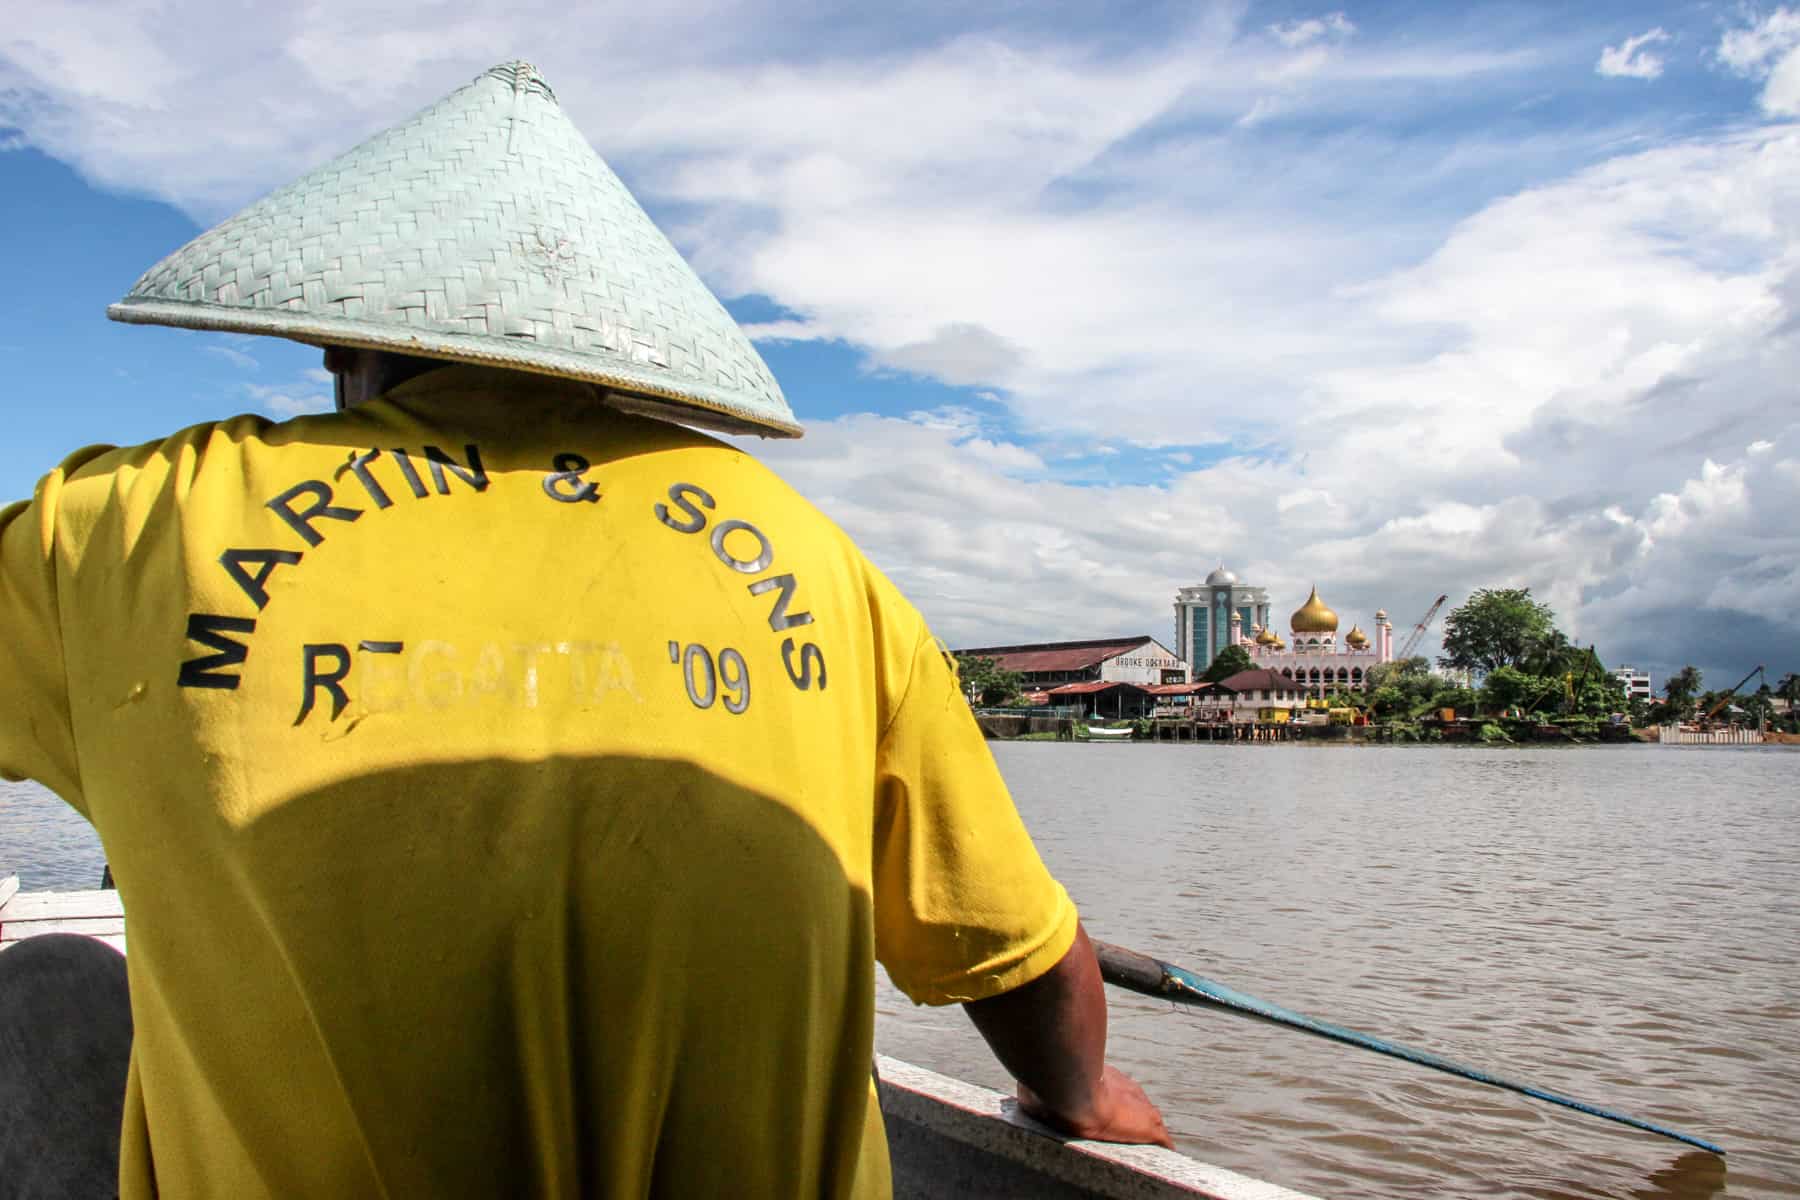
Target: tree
1554,654
1679,692
986,683
1789,689
1388,701
1499,627
1403,688
1598,695
1507,688
1231,660
1464,700
1682,687
1588,688
1385,673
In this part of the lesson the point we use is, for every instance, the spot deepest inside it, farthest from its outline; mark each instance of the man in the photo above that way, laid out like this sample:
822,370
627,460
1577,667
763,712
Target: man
511,788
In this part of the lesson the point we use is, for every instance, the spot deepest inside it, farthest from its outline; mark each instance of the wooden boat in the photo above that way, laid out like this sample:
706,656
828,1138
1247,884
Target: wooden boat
98,914
946,1138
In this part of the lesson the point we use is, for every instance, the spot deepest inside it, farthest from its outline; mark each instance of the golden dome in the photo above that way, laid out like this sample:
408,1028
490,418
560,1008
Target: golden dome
1314,617
1266,637
1356,637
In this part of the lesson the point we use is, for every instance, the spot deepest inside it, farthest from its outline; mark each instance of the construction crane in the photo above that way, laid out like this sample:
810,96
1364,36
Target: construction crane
1715,709
1572,684
1418,631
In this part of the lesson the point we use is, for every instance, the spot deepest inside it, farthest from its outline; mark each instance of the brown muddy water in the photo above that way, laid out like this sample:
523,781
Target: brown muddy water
1619,924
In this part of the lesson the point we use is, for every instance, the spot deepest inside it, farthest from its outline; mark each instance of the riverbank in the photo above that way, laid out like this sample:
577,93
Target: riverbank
1015,726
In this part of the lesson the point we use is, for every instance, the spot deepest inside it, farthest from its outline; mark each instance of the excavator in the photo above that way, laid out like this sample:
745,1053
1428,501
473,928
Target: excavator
1572,685
1707,720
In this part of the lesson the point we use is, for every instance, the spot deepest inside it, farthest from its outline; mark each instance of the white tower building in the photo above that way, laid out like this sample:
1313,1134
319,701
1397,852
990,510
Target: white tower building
1214,615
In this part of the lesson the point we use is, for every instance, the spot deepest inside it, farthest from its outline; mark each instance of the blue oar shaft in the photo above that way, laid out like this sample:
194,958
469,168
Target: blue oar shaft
1153,977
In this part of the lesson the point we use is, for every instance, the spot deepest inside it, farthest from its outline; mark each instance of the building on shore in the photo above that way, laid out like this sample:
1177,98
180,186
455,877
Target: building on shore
1635,682
1214,615
1140,660
1101,699
1249,695
1224,611
1316,660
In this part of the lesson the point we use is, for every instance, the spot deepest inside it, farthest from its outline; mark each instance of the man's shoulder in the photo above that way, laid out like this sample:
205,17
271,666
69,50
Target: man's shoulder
169,453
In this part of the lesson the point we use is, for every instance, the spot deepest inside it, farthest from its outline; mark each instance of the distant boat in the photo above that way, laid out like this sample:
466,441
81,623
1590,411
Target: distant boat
1102,734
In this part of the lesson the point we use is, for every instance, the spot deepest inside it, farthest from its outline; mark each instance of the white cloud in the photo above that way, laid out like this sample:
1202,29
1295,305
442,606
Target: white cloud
292,400
1462,359
1331,27
959,422
1768,50
1715,549
12,140
957,354
992,558
1630,59
1005,457
1554,377
232,355
782,331
1769,38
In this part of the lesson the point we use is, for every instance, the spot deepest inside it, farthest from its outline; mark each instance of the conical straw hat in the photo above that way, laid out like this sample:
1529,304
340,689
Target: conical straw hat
485,230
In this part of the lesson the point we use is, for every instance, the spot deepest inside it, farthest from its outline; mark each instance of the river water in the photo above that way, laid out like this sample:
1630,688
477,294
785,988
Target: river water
1618,924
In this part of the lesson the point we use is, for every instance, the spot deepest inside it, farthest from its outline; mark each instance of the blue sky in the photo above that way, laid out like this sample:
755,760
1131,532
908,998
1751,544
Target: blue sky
1077,300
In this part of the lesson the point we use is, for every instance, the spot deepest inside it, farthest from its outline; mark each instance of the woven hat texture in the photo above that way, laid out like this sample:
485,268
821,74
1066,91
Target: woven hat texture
485,229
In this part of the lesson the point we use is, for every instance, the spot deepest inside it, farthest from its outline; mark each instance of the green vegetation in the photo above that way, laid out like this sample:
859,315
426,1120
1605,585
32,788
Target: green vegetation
1679,691
1684,698
1531,672
1498,627
1789,690
1231,660
986,684
1407,690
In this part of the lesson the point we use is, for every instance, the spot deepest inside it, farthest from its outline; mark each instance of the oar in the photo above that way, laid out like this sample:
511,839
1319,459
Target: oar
1153,977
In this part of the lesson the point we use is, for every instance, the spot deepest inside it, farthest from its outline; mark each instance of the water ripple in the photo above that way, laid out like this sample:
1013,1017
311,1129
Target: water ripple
1614,923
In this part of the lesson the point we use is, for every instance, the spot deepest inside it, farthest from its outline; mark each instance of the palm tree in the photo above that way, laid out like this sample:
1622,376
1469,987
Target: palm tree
1789,689
1678,692
1551,653
1682,685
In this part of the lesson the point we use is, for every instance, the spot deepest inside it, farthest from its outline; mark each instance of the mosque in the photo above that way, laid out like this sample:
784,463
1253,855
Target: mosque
1225,612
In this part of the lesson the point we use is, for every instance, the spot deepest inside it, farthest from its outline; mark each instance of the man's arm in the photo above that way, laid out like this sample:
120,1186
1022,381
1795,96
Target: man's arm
36,736
1051,1035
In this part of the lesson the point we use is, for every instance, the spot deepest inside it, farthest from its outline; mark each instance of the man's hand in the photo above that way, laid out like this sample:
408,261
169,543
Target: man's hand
1123,1113
1051,1034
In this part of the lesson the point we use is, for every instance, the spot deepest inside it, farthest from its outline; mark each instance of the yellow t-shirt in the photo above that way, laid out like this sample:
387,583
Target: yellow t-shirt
508,796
